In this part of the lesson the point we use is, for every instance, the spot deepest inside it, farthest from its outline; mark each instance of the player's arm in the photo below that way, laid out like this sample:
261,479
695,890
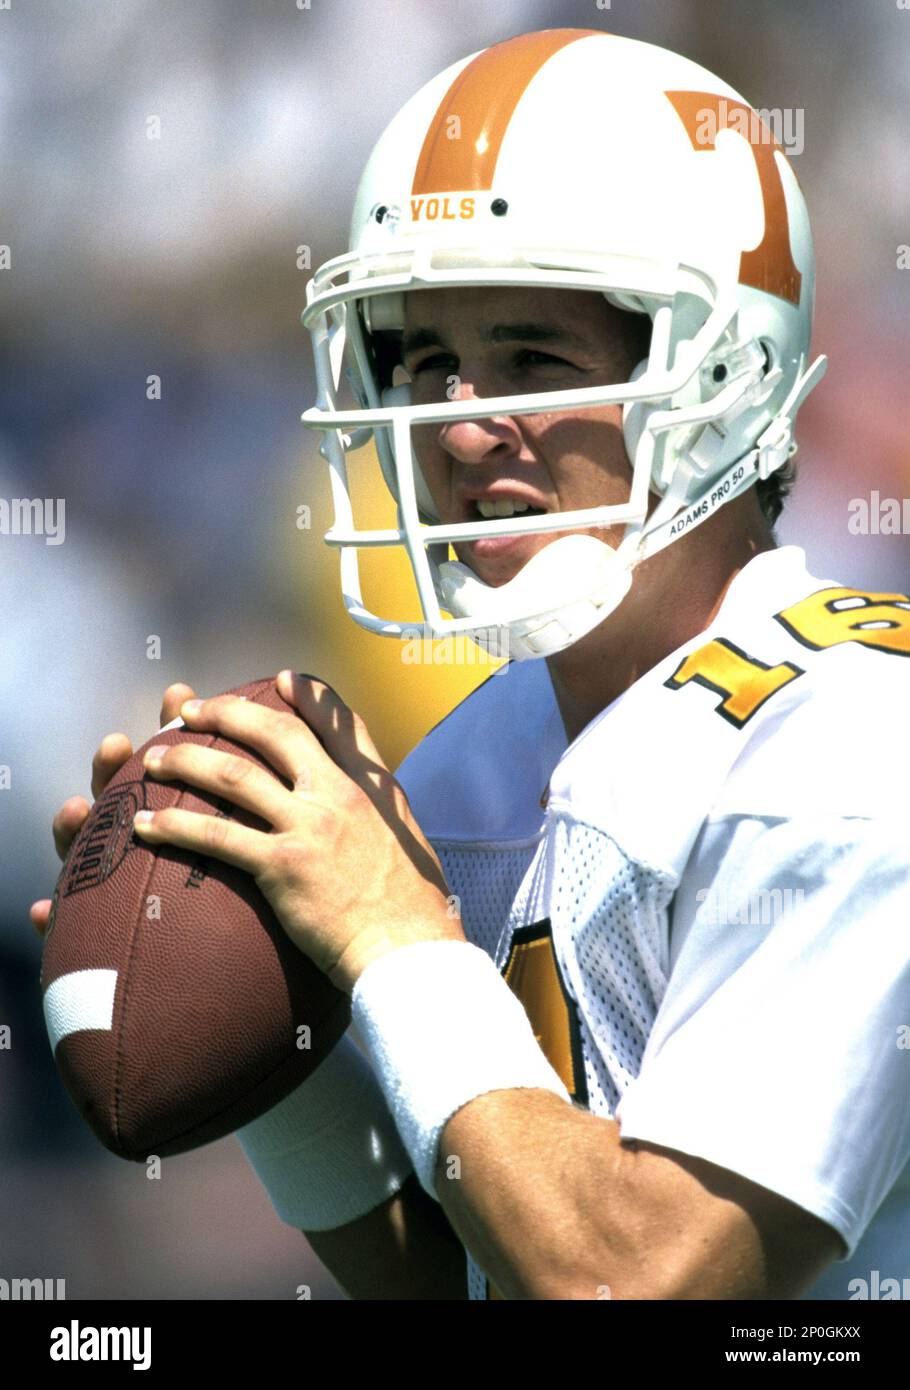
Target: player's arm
785,1069
403,1249
553,1205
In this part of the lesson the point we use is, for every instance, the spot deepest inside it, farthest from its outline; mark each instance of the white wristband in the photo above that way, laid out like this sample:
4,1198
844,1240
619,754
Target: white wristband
329,1152
441,1027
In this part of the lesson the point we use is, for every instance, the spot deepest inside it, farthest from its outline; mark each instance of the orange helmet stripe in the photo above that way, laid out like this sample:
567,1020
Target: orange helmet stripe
482,98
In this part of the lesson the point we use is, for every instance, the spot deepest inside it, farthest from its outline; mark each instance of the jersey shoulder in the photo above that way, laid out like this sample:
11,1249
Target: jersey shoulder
840,748
785,705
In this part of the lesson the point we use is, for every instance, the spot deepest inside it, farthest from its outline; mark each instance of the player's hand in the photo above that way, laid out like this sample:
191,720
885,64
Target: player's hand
113,751
345,867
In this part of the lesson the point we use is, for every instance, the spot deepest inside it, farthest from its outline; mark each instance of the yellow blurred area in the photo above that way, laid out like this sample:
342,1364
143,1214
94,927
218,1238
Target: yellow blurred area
401,688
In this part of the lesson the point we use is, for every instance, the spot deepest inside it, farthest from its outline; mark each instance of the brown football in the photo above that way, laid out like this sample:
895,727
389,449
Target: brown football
177,1008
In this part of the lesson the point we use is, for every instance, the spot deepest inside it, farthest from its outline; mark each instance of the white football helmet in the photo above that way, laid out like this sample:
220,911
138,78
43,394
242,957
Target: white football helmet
572,158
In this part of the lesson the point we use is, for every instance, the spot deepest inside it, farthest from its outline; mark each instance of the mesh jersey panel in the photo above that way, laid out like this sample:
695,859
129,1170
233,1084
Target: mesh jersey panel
608,920
490,884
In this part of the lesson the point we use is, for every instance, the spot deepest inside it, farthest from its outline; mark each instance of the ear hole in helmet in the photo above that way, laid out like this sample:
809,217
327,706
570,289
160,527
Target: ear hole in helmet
385,351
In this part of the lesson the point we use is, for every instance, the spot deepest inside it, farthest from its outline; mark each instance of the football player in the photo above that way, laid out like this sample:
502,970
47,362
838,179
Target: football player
626,935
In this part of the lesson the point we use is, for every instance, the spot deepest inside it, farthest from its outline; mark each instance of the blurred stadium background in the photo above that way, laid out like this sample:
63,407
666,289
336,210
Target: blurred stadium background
178,257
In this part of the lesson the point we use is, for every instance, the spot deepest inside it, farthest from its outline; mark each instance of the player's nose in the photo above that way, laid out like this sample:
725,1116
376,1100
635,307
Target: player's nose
472,441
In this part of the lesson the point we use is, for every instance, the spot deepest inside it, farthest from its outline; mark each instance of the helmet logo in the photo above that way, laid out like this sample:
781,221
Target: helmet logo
769,265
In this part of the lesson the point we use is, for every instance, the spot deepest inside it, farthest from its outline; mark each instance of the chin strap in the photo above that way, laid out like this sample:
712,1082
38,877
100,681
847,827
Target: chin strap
775,446
600,580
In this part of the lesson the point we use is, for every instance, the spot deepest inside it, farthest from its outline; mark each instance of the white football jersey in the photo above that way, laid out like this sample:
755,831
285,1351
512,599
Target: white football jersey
704,901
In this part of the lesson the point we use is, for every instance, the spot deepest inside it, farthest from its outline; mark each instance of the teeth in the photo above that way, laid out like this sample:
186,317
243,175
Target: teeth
506,507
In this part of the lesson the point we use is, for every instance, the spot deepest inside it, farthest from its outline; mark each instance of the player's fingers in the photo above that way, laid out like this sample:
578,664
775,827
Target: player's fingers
219,836
342,733
283,740
113,751
174,697
226,775
68,822
39,913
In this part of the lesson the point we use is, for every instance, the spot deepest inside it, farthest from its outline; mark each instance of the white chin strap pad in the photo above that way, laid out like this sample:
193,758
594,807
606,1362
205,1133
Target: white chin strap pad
570,585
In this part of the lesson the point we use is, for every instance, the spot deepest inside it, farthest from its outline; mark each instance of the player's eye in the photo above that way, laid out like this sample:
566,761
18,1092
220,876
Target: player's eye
437,361
530,357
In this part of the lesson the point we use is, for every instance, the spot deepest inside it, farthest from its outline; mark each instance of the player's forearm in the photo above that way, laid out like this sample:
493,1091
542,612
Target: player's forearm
553,1205
403,1249
515,1194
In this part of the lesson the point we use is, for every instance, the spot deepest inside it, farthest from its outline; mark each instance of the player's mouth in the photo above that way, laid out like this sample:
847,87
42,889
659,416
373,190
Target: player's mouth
494,505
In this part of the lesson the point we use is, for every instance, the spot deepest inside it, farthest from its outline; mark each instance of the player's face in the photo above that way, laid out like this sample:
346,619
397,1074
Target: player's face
500,341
